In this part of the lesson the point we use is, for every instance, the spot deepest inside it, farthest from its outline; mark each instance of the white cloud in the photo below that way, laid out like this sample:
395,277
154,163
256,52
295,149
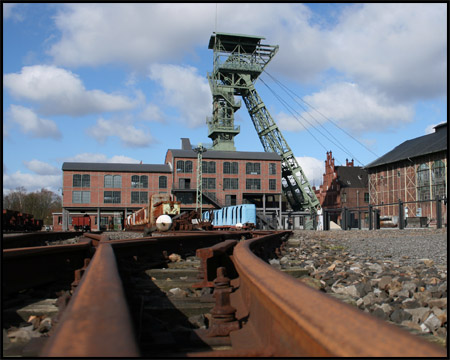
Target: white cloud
41,168
33,125
60,92
121,128
355,109
101,158
312,168
185,90
398,48
31,182
152,112
94,34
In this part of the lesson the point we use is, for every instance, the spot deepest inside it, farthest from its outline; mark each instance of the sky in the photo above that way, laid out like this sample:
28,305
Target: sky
122,83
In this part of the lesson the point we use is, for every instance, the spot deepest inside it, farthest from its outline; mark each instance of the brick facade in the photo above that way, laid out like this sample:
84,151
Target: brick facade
343,186
104,191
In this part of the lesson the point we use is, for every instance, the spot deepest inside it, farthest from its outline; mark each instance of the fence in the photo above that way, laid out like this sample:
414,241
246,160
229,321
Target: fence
373,217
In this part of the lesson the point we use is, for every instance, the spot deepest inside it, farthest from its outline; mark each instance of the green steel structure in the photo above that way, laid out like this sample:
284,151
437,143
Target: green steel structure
200,149
238,61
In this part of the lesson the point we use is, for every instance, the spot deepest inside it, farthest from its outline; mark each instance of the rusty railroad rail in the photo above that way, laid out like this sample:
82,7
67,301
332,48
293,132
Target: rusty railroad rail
259,310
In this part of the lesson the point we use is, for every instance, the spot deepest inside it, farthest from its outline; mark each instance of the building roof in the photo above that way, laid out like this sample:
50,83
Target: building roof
232,155
119,167
352,176
422,145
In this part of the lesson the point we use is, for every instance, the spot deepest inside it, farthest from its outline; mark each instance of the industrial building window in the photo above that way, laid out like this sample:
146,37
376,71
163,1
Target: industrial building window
272,184
81,197
140,182
108,181
81,180
230,167
438,178
230,184
253,168
272,169
366,197
117,181
139,197
113,181
184,166
253,184
163,182
208,167
209,183
423,182
111,197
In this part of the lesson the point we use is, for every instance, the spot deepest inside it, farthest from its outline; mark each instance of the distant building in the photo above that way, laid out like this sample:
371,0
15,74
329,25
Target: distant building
343,186
415,170
107,193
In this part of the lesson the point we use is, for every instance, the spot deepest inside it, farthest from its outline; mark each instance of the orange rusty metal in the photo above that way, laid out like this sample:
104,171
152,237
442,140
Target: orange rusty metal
96,321
210,260
284,317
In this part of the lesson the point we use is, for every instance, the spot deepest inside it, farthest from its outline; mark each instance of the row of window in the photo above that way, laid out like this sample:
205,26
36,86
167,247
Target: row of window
431,182
209,167
109,197
115,181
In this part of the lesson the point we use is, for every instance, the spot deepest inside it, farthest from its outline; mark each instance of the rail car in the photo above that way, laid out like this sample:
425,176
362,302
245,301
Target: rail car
145,218
13,220
81,223
238,216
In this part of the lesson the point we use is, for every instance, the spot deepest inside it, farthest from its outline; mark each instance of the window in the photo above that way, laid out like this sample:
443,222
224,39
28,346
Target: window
272,184
423,182
184,166
108,181
117,181
81,180
208,167
111,197
139,197
76,180
163,182
253,168
253,184
230,168
230,184
438,178
272,169
366,197
139,182
209,183
188,166
81,197
86,181
180,166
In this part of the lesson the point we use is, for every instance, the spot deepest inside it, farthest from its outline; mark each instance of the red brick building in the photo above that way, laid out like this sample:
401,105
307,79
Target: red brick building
416,170
343,186
107,192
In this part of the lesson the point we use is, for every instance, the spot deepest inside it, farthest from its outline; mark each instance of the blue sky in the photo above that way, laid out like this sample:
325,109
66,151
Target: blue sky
124,82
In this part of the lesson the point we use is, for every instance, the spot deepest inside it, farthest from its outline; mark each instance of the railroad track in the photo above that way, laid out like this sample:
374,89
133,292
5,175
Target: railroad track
135,297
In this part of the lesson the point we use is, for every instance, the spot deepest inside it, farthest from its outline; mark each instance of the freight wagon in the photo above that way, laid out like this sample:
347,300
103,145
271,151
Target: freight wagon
13,220
145,219
81,223
239,216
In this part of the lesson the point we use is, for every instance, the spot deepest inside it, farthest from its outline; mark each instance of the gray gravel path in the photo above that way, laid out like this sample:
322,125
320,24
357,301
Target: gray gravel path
407,247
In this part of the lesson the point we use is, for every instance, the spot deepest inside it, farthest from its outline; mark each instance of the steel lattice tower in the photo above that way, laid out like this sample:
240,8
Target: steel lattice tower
238,61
